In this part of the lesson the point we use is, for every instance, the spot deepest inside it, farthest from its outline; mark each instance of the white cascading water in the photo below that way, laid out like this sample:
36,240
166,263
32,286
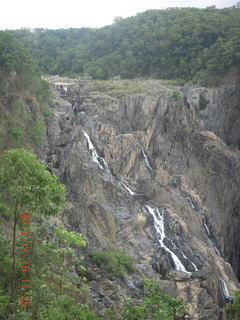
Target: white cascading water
65,89
190,201
217,251
158,219
101,161
210,235
192,263
132,193
184,256
224,290
206,226
146,161
96,158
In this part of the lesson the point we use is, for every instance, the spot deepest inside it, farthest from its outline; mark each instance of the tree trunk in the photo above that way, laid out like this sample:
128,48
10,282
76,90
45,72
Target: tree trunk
13,293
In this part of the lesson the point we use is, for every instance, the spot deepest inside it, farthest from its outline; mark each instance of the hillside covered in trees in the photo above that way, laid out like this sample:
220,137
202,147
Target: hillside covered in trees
24,96
167,44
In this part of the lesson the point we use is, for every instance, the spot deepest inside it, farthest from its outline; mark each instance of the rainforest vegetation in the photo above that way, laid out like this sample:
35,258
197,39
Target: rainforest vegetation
24,96
166,44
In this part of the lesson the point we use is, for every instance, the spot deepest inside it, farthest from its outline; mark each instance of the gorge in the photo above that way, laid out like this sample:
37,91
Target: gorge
153,170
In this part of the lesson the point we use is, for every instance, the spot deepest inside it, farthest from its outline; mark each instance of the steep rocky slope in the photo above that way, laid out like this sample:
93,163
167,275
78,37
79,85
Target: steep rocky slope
153,170
22,121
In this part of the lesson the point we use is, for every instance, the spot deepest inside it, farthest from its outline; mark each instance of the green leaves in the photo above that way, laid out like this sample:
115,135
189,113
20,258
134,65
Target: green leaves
26,181
169,44
155,306
234,307
18,69
70,238
116,262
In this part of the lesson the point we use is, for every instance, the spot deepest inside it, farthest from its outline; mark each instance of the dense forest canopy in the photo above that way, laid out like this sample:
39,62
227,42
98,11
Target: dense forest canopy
18,69
172,43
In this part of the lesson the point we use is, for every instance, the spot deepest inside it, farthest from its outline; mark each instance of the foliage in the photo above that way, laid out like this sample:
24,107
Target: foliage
37,132
22,127
155,306
176,96
203,103
234,307
18,68
116,262
26,183
5,261
18,135
168,44
55,292
175,82
54,284
24,97
26,186
69,310
70,238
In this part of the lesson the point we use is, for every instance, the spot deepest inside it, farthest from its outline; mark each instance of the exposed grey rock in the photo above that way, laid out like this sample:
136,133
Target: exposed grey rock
195,174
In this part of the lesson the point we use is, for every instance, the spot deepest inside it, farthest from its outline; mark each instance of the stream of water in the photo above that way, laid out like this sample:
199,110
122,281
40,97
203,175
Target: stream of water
160,230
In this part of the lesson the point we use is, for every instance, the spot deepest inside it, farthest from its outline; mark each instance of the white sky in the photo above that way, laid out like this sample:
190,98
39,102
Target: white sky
53,14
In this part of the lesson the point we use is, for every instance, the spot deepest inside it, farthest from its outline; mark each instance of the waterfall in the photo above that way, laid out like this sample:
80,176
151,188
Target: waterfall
224,290
96,158
217,251
191,202
159,227
206,226
210,235
192,263
65,89
184,256
127,188
146,161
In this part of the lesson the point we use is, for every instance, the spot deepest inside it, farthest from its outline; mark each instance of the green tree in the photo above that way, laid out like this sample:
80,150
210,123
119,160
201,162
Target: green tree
66,239
170,44
27,186
5,266
53,274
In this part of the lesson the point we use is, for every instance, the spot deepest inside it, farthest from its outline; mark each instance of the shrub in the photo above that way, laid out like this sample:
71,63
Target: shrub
176,96
176,82
37,132
234,307
69,310
18,135
116,262
155,305
203,103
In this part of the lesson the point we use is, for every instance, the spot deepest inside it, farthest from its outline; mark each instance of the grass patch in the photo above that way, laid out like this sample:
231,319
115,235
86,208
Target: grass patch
115,262
175,82
176,96
18,135
37,132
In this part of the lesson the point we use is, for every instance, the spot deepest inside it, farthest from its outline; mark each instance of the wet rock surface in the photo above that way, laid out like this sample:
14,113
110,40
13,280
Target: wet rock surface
160,147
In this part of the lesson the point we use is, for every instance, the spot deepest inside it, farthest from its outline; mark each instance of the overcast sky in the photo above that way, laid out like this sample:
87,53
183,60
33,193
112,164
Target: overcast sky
53,14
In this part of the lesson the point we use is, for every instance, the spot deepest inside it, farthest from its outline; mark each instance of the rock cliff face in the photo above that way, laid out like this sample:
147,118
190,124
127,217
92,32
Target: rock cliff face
153,170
